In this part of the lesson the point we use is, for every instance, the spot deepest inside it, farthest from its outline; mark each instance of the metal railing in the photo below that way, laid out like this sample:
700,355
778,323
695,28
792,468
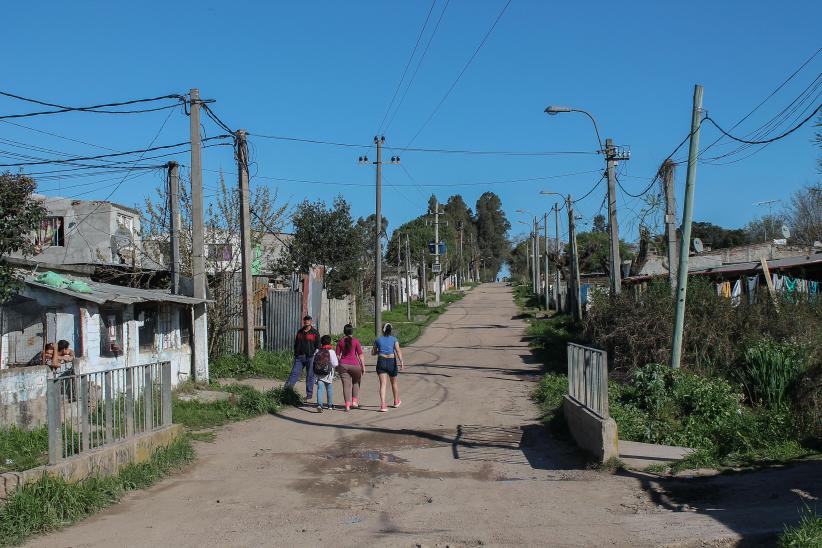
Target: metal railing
588,377
90,410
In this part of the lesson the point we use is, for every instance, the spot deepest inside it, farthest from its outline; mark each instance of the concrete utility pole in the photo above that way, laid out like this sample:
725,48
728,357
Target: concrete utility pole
424,279
408,277
174,223
379,140
245,242
461,280
528,259
556,287
437,269
613,230
687,216
198,272
547,292
667,173
537,262
576,301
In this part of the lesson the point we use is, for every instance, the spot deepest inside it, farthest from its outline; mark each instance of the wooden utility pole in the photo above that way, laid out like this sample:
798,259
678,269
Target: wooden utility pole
687,216
174,224
667,174
408,277
437,268
576,301
424,280
536,260
198,271
556,287
613,229
245,241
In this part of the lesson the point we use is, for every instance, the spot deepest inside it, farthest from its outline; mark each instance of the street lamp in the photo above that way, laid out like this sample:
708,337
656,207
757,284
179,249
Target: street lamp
612,154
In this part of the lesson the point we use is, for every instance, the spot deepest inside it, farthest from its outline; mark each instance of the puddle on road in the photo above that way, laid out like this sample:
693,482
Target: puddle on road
378,456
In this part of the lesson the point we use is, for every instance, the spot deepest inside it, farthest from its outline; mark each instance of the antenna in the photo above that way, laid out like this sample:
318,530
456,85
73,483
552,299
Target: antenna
698,247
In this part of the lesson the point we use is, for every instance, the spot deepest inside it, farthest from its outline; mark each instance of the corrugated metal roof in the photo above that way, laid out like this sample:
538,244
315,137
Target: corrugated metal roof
102,293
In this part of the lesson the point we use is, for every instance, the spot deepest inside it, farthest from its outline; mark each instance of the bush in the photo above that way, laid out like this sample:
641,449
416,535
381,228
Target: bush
769,369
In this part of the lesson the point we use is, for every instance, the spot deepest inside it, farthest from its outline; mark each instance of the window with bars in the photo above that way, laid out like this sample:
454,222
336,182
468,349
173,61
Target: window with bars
51,232
146,316
111,332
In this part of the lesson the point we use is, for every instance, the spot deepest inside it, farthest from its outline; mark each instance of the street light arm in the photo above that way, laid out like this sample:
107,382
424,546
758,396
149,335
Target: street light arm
596,129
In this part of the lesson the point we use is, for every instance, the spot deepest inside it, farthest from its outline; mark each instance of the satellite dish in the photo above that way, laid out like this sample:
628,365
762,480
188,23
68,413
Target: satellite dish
698,247
786,232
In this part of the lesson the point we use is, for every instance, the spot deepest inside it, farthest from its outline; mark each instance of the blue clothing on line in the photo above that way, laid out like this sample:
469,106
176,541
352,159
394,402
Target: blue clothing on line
385,344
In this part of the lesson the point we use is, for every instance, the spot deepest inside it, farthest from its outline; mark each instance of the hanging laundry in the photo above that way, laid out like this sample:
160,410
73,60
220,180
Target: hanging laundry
778,282
790,284
752,283
736,293
813,291
723,289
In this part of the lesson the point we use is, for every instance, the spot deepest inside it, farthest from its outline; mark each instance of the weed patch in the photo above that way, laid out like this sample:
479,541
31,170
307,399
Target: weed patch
245,402
23,449
806,533
52,503
265,364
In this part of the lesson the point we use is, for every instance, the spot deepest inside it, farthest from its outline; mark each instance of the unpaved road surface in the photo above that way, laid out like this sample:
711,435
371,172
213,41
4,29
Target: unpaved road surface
463,462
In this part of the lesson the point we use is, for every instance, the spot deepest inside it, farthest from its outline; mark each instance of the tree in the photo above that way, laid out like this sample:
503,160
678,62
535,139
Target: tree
594,251
326,236
492,233
20,216
764,229
222,230
718,237
599,224
804,215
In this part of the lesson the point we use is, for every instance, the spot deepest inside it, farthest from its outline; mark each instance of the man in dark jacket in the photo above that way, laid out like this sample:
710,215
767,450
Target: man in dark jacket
306,343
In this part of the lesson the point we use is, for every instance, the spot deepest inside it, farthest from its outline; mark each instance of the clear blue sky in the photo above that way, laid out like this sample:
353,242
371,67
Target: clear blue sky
327,70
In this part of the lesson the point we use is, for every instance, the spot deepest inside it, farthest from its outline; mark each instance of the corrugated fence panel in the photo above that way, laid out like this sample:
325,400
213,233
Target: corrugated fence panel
284,311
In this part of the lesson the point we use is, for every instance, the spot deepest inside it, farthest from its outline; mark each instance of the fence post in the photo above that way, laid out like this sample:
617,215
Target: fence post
603,387
148,406
129,402
53,416
85,428
165,387
109,399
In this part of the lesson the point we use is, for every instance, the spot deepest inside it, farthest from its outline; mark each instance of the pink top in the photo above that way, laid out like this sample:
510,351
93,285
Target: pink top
350,357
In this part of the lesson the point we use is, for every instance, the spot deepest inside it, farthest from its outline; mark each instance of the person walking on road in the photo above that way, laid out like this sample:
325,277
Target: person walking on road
324,363
306,343
352,367
389,356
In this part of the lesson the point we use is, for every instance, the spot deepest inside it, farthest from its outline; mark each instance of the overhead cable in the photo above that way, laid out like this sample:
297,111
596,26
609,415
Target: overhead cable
94,108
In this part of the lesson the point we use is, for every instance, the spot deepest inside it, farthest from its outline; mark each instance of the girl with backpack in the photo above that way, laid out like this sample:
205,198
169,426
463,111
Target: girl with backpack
389,356
352,367
325,360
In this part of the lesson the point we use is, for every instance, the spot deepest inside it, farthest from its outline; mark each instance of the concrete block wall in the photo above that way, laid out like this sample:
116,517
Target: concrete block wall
23,397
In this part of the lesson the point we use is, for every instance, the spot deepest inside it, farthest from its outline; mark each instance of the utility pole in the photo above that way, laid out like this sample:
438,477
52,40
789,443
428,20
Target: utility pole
556,287
245,242
537,285
547,293
379,140
667,174
461,280
528,259
611,158
687,216
424,280
174,236
198,273
408,277
576,302
438,268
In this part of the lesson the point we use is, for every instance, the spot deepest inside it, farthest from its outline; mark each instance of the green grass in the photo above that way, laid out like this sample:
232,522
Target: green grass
405,331
23,449
805,534
265,364
52,503
245,402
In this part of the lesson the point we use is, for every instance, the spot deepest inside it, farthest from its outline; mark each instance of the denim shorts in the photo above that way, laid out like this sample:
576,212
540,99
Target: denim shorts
387,366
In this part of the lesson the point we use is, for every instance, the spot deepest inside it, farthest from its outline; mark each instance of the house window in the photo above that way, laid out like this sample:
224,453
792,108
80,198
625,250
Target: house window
185,325
220,252
111,332
51,232
126,222
146,316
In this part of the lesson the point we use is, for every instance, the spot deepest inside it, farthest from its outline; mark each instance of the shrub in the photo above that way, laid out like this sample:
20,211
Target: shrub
769,369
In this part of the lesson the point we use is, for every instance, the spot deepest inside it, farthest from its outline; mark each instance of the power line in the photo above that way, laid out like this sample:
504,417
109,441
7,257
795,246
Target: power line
94,108
419,64
593,188
459,76
408,64
766,141
429,150
58,136
114,154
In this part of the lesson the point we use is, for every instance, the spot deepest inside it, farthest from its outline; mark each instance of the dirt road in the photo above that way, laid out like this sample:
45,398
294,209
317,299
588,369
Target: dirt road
463,462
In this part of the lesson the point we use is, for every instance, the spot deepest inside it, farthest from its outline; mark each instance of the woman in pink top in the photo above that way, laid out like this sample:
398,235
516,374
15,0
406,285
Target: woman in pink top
351,368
